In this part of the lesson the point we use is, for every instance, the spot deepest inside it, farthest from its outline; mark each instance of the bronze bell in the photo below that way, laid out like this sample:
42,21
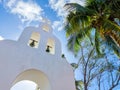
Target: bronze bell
32,44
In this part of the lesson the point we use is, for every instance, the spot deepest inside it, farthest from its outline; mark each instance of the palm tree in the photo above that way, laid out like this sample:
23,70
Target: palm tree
98,19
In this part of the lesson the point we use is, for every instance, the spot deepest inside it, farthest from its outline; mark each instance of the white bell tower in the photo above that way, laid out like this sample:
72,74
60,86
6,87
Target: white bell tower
36,56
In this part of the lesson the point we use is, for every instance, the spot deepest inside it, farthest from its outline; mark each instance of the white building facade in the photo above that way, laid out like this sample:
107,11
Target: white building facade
36,56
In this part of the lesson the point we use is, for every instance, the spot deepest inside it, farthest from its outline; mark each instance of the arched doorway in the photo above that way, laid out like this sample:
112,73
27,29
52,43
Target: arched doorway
33,77
25,85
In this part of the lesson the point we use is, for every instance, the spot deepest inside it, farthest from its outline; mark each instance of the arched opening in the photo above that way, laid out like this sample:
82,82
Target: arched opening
36,78
34,40
25,85
46,25
50,47
45,28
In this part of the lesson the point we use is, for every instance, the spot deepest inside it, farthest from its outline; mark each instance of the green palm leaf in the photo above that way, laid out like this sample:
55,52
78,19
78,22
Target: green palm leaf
97,42
73,44
79,84
97,14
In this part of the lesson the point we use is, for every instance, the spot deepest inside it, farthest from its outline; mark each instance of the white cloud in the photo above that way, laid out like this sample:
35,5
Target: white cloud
27,11
1,38
58,5
11,3
81,2
57,25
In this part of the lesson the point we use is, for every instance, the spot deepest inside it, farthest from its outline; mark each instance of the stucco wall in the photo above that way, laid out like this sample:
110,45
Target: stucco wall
17,58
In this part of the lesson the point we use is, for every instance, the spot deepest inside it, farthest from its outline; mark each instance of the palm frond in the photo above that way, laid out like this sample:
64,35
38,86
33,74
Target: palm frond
116,51
98,14
79,84
97,42
88,33
80,22
72,24
112,30
110,25
75,38
77,23
78,9
96,5
73,44
74,65
75,7
115,5
111,44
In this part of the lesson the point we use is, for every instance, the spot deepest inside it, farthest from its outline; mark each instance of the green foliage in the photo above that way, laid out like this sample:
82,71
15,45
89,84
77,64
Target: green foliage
96,22
74,65
97,14
79,85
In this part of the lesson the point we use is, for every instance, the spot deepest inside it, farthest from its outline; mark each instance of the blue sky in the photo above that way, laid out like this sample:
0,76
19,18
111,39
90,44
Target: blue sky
15,15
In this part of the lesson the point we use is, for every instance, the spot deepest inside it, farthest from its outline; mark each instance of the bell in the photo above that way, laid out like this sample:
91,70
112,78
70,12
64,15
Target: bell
48,49
32,44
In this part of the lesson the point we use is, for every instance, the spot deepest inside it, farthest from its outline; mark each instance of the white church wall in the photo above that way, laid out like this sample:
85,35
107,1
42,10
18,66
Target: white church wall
18,57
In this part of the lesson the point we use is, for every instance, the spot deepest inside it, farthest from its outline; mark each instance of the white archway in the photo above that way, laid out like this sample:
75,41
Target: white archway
25,85
35,76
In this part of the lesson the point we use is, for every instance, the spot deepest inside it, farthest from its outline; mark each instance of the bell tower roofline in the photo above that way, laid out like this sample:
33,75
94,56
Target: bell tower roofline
45,25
